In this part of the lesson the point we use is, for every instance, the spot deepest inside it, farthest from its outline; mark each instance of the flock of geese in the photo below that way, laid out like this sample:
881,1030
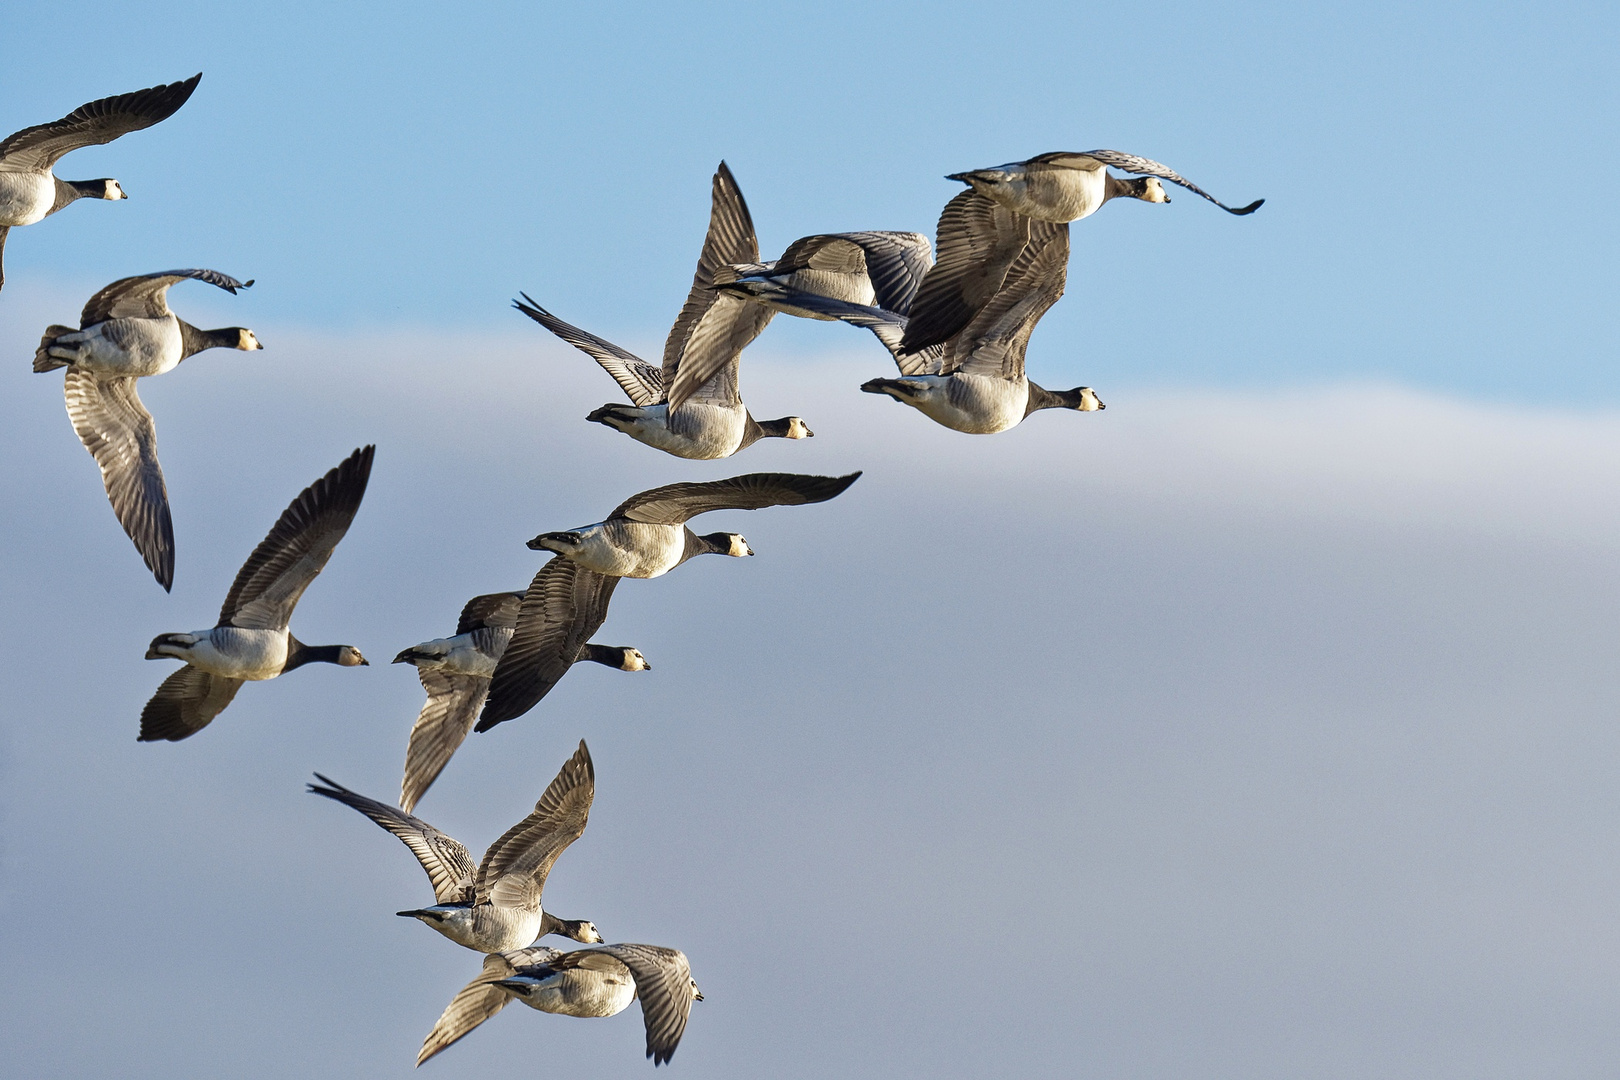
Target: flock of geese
956,318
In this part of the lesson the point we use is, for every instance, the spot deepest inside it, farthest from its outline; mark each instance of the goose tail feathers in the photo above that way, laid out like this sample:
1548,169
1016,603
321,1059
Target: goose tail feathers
43,360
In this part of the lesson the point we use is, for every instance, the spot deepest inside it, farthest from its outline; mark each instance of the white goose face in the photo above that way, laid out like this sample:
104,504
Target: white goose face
349,656
111,190
587,934
1089,401
798,429
634,661
739,547
1153,191
697,995
246,341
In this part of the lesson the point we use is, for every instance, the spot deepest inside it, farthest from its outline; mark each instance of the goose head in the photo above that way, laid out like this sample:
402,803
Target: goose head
1085,399
176,646
789,427
632,660
581,930
110,190
728,544
245,340
1146,188
349,656
697,995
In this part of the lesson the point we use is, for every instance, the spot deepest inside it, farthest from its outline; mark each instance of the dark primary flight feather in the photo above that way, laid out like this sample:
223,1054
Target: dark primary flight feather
269,584
37,148
564,605
449,867
185,704
676,504
144,296
641,382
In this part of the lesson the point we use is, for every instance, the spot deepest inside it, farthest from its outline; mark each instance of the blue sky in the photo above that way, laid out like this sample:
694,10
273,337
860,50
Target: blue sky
1434,173
1261,725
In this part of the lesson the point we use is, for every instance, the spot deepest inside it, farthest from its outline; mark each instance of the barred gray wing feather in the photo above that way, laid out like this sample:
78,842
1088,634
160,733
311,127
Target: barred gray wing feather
1149,167
185,704
118,431
676,504
707,369
730,239
145,296
473,1004
497,611
447,716
514,869
978,241
994,343
664,985
641,382
269,584
896,262
564,605
37,148
448,865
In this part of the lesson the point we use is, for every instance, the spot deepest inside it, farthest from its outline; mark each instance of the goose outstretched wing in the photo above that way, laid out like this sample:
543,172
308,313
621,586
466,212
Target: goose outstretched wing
268,586
676,504
36,149
564,605
145,296
185,704
641,382
712,328
979,239
994,343
115,427
514,869
448,865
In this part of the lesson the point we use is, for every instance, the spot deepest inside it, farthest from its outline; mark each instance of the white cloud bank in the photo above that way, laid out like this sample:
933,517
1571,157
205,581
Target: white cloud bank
1216,734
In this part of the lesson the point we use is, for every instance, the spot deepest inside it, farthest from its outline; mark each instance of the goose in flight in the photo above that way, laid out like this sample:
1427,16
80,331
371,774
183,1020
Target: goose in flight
456,671
586,982
494,906
29,191
646,535
982,230
691,407
127,332
564,605
975,382
252,641
1064,186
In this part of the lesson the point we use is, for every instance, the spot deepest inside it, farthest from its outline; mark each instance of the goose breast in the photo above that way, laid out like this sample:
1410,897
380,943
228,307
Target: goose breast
25,197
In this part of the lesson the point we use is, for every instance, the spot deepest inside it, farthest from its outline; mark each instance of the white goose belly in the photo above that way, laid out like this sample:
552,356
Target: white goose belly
1056,194
578,992
631,549
25,197
236,653
488,928
698,431
975,404
460,655
136,347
